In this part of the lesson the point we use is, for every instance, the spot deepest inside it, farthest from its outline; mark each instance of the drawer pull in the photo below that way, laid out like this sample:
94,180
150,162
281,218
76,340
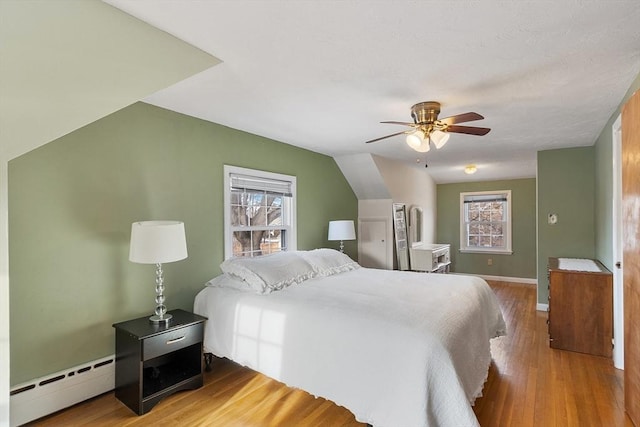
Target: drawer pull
175,340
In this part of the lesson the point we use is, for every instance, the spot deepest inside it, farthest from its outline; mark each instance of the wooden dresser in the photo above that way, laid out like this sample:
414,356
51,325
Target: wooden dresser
580,306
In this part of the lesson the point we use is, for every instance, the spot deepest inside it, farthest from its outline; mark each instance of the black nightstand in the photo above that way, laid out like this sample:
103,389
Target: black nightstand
156,360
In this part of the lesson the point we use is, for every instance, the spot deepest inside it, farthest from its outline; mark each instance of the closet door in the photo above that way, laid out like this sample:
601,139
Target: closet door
631,254
372,241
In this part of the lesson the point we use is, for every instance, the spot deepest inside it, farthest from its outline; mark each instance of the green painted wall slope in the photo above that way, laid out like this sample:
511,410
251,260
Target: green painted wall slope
72,203
521,263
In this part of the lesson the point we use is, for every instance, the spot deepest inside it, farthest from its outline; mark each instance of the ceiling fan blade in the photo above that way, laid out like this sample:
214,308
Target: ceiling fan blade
401,123
461,118
388,136
470,130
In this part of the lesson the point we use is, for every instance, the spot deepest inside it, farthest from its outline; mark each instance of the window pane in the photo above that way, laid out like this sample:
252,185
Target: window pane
473,214
474,228
238,238
238,215
497,212
485,241
275,216
484,229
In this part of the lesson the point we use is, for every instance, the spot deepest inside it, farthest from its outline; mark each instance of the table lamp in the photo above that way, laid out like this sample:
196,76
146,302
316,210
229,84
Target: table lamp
157,242
342,230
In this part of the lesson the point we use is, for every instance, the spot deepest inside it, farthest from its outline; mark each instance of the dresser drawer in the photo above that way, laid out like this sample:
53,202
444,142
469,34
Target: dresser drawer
171,341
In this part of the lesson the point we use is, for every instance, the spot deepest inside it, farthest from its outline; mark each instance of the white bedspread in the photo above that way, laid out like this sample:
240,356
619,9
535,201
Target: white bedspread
395,348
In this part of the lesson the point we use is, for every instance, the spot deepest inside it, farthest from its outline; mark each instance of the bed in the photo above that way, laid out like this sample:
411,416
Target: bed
395,348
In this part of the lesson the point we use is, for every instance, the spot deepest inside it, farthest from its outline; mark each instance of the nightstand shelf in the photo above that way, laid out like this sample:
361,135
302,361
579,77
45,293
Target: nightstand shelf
154,361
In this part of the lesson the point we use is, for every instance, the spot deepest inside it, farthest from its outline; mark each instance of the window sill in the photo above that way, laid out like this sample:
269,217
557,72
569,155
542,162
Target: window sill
486,251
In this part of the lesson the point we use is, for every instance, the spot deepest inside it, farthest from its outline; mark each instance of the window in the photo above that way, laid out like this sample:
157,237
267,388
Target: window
485,222
259,215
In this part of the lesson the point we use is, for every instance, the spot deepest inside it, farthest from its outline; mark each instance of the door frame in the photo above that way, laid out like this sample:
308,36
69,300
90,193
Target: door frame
616,222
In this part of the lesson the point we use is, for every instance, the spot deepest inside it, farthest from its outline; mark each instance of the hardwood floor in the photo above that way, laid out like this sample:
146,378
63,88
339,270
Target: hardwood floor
529,384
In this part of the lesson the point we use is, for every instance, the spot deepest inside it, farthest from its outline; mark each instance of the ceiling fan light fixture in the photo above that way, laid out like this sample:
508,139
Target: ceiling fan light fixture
439,138
470,169
424,146
415,140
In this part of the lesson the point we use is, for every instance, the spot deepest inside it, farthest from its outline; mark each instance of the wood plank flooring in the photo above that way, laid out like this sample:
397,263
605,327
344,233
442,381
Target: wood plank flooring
529,384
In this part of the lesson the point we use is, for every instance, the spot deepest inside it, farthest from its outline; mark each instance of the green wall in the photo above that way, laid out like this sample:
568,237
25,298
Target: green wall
566,182
521,263
71,205
604,185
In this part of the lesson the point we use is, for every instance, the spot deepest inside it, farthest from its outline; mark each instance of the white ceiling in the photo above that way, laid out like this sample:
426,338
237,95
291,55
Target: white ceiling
322,74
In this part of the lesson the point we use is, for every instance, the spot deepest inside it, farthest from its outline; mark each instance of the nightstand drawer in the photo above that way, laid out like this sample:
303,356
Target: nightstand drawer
172,341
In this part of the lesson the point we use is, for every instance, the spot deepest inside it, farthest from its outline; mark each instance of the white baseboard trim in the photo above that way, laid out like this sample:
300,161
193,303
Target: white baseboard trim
539,306
49,394
506,279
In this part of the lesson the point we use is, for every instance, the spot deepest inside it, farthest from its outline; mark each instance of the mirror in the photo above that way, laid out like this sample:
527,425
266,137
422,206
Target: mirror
415,225
400,235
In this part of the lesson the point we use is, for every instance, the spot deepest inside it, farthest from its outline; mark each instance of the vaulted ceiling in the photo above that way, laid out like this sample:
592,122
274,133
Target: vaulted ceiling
323,74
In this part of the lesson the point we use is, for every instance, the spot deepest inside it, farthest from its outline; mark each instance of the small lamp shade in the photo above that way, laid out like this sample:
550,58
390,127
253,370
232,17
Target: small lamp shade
342,230
157,242
439,138
418,142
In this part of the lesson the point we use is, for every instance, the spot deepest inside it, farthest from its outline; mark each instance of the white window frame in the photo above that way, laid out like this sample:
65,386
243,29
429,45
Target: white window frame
290,228
507,250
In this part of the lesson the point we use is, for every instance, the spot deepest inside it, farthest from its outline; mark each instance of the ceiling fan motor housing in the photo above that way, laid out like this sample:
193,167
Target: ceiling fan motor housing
425,112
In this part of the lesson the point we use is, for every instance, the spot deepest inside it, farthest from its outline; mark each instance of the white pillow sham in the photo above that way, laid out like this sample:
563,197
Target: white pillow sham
227,281
268,273
327,261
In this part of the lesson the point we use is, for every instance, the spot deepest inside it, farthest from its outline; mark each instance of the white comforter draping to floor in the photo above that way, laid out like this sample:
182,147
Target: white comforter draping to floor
395,348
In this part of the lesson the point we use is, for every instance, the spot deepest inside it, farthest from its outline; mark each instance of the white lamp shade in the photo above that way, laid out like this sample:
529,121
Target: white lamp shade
157,242
439,138
342,230
415,139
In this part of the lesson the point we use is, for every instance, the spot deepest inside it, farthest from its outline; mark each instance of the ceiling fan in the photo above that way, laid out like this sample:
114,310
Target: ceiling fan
428,128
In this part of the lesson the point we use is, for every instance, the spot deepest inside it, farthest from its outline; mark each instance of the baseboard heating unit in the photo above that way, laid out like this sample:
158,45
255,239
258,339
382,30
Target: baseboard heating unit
46,395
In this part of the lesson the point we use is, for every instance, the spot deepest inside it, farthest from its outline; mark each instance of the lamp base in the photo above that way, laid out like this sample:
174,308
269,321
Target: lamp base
157,319
160,315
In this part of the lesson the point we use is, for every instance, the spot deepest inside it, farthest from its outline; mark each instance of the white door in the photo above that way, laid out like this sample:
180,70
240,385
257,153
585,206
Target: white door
373,242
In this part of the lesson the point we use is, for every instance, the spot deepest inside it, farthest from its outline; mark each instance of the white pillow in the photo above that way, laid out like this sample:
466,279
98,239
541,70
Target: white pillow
227,281
326,261
268,273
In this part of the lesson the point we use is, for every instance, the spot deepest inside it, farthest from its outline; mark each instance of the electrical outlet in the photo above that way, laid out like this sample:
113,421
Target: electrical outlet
489,261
